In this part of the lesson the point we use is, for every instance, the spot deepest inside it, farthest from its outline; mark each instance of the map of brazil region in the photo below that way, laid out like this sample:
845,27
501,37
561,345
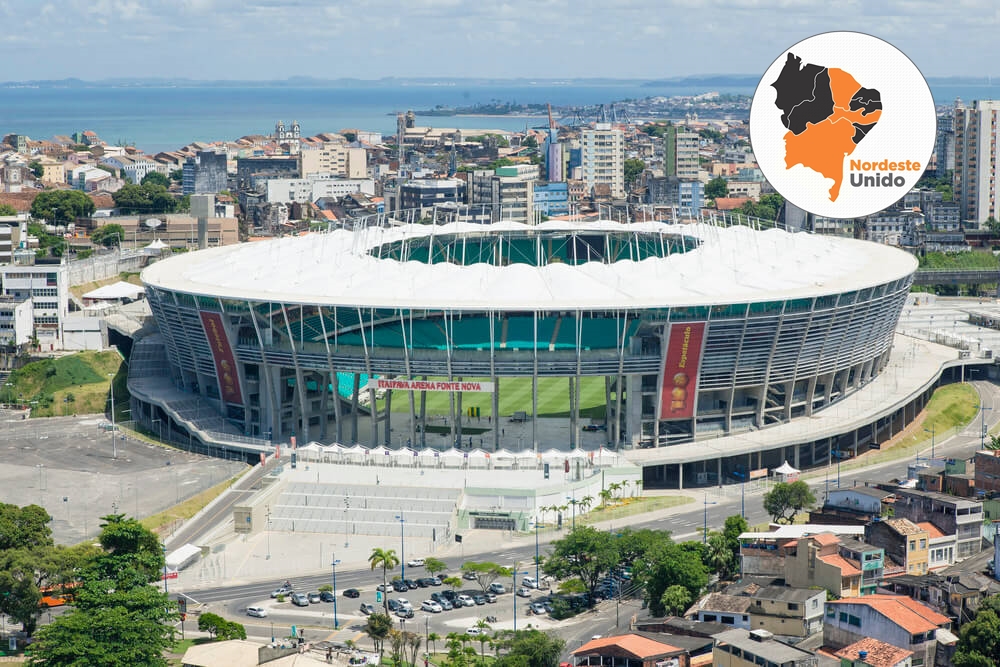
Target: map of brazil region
842,125
827,113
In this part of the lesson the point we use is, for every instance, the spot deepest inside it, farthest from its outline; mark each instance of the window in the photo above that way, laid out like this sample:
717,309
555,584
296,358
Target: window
843,617
727,620
923,543
793,606
854,620
913,545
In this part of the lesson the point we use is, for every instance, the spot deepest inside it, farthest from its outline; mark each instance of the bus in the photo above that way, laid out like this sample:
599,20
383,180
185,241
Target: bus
57,595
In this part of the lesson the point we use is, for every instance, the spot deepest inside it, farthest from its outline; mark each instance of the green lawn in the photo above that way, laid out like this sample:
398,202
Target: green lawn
515,396
73,384
959,260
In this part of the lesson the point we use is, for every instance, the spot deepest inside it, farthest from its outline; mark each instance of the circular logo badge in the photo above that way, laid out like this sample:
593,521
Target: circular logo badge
842,124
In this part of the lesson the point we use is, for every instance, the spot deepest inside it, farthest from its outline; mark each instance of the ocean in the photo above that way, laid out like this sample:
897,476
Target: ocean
157,119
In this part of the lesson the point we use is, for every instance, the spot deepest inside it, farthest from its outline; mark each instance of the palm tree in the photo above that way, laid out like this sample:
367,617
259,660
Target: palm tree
625,484
432,639
720,555
586,502
387,560
483,626
614,487
605,495
378,628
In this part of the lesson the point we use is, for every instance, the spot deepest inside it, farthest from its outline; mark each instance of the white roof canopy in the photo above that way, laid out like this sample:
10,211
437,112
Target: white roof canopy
118,290
785,469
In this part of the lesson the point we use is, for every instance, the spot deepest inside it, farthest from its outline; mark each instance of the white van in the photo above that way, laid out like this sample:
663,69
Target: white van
529,582
258,612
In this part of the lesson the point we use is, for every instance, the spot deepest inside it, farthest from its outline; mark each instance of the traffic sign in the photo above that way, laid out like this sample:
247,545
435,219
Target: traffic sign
378,596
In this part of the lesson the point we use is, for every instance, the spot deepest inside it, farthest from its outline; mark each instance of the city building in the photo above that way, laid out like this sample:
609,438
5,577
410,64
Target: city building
602,158
686,197
787,611
729,610
895,227
10,239
950,515
753,648
290,137
629,650
870,652
509,191
554,163
205,173
903,541
133,168
552,199
420,193
335,158
178,230
250,169
843,565
16,325
306,190
45,286
893,619
944,144
857,505
680,153
976,131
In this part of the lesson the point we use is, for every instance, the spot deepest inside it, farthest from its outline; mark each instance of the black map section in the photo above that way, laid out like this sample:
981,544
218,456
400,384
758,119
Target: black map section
868,99
861,131
804,94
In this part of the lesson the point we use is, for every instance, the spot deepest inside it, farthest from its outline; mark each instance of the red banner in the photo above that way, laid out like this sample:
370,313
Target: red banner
222,352
680,370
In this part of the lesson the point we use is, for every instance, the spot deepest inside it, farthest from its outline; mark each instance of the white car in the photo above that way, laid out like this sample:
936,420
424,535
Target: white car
473,631
431,606
416,562
404,604
529,582
466,600
258,612
523,592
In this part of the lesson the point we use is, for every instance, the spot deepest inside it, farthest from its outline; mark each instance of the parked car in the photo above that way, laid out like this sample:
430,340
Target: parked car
300,600
314,597
471,576
529,582
438,597
523,592
473,631
436,580
411,584
352,593
416,562
367,608
393,604
258,612
424,582
538,608
491,597
497,587
281,590
431,606
399,586
326,596
547,604
479,599
385,588
466,600
450,595
446,605
405,613
405,604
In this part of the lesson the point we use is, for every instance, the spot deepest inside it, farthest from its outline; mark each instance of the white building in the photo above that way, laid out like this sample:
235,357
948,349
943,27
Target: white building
133,167
976,134
45,287
304,190
603,158
335,158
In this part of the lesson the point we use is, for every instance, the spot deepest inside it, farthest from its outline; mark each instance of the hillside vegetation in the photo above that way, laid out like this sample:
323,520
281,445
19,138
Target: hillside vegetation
74,384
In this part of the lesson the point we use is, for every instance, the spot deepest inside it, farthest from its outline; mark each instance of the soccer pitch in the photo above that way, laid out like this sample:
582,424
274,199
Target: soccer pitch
515,396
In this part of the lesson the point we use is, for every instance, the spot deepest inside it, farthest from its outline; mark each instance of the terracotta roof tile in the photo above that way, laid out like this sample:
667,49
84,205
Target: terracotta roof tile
825,539
730,203
932,530
640,647
905,612
880,654
847,568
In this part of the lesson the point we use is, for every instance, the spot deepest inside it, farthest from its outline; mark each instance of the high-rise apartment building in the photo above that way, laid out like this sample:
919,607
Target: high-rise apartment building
602,158
205,174
975,179
680,153
335,158
944,144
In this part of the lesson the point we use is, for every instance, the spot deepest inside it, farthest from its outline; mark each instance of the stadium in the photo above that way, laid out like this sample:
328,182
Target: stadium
651,334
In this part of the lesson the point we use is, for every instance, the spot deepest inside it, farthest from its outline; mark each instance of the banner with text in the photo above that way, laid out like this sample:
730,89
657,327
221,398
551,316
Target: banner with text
222,352
680,370
428,385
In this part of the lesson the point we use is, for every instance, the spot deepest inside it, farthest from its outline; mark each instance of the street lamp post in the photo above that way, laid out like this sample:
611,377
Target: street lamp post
159,428
572,502
114,441
336,624
514,591
933,431
402,547
536,548
164,547
267,531
982,428
704,535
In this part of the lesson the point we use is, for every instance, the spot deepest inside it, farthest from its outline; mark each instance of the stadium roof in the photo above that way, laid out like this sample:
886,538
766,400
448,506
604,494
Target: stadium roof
731,265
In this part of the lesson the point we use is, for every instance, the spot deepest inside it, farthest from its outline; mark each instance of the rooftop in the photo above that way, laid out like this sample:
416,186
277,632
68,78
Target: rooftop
932,531
785,593
904,526
871,491
879,654
722,602
772,650
847,568
905,612
795,531
637,646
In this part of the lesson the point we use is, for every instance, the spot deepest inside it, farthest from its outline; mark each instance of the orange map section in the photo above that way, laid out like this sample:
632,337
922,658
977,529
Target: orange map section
823,146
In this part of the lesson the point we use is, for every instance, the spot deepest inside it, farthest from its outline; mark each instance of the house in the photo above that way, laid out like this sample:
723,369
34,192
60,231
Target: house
783,610
763,553
870,652
844,566
750,648
950,515
853,505
904,542
629,650
953,593
729,610
893,619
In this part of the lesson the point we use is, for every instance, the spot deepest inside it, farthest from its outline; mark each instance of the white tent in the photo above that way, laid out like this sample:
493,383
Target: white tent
156,247
310,452
333,453
452,458
526,459
786,472
379,455
605,456
115,291
550,455
403,456
355,454
503,458
576,454
427,457
478,459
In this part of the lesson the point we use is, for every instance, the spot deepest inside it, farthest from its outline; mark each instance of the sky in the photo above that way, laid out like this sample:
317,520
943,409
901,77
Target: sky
372,39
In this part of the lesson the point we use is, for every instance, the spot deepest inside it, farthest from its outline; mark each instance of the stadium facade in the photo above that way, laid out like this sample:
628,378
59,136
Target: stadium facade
697,330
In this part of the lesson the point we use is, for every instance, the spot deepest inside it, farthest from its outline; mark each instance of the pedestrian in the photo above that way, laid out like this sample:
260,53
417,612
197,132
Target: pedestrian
503,432
329,655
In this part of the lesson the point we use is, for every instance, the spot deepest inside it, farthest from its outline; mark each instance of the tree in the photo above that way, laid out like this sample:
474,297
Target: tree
177,175
411,645
117,618
453,583
155,178
60,206
108,235
24,527
434,565
719,556
387,560
486,573
220,628
36,168
586,503
586,553
979,642
145,198
6,210
992,224
530,142
635,544
532,648
786,499
675,600
633,167
670,564
432,639
377,628
482,626
572,586
717,187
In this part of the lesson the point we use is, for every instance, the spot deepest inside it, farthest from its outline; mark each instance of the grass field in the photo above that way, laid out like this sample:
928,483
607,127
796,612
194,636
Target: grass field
186,509
515,396
74,384
959,260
